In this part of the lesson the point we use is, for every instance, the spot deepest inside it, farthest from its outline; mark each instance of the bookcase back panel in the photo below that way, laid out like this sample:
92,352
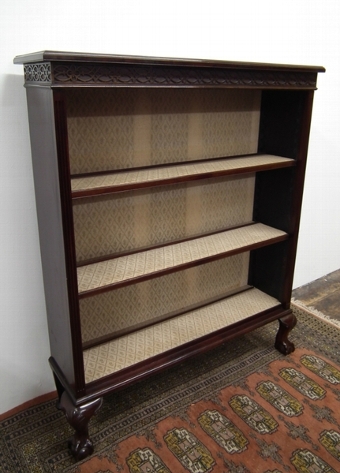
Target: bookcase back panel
128,220
138,303
117,129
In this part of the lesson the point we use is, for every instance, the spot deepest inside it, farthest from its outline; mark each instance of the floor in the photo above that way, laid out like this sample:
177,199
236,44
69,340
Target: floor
322,294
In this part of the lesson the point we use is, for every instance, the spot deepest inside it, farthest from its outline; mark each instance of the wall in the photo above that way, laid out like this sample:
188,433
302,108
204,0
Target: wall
294,31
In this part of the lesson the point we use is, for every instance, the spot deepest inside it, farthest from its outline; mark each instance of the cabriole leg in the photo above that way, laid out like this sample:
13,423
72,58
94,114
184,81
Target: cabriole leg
286,324
78,417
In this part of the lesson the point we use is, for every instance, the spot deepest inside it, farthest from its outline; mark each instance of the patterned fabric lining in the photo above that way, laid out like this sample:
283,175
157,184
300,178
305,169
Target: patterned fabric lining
129,306
125,128
110,272
146,217
128,350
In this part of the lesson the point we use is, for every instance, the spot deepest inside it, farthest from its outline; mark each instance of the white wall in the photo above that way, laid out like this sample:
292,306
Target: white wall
294,31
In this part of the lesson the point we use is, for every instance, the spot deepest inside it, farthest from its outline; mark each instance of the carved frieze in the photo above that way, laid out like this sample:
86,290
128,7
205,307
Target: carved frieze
82,74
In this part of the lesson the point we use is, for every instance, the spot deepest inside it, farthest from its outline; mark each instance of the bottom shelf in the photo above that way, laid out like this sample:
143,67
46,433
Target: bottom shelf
136,347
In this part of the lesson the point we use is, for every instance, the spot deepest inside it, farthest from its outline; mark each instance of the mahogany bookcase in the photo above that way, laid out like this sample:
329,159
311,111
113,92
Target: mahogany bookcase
168,198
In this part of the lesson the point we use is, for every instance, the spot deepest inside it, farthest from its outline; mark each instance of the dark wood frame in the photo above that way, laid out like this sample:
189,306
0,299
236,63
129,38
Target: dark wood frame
287,92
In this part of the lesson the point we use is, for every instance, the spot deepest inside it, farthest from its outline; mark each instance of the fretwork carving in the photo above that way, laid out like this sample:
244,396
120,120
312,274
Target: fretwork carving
40,73
159,76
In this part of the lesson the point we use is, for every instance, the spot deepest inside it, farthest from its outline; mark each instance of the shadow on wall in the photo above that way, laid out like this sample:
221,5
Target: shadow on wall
23,337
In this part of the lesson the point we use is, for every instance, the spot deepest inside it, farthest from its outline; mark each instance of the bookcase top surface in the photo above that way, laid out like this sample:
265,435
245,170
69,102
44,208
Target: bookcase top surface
62,56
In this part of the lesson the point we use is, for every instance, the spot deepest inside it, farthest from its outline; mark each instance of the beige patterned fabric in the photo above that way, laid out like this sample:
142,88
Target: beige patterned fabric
122,128
126,307
115,129
171,172
128,350
110,272
138,219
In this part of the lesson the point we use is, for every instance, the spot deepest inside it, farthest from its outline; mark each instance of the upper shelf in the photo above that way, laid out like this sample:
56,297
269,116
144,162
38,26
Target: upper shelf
120,271
119,181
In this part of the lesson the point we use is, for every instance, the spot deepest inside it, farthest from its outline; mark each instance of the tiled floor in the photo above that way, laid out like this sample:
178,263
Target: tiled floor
322,294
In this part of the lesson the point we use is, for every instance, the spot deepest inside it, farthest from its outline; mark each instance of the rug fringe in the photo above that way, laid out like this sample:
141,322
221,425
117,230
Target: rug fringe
312,311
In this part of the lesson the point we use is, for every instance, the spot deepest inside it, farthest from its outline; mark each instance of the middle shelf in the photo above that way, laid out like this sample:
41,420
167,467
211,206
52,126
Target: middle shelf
122,180
120,271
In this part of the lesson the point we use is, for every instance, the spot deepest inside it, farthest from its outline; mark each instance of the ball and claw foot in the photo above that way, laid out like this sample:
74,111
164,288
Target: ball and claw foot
78,417
282,344
80,448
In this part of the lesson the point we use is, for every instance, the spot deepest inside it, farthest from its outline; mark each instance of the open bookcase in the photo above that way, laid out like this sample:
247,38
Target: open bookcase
168,197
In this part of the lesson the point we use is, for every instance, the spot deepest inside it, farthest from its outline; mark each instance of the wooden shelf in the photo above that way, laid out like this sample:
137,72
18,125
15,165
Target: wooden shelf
119,181
136,347
117,272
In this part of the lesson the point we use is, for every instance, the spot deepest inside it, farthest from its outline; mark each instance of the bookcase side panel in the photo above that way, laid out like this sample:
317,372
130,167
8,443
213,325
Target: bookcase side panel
46,180
284,131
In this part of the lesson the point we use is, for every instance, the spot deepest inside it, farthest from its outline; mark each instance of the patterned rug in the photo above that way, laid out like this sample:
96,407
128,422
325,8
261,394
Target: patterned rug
242,408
